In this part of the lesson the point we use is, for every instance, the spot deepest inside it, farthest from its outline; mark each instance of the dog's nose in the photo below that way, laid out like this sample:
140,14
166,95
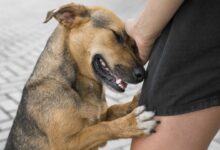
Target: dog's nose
139,73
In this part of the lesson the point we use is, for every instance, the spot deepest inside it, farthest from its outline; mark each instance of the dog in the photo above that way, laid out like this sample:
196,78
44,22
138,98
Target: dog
63,104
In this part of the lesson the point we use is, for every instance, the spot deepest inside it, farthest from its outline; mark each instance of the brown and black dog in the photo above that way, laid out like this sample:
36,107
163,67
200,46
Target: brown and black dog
63,105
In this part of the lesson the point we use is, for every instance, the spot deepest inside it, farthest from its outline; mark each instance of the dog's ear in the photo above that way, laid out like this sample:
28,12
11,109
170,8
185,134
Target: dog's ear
69,14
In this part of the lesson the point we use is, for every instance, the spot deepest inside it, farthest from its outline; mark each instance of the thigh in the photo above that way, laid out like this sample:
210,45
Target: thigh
191,131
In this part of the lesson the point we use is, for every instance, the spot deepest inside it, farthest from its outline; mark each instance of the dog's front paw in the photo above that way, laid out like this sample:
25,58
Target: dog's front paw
145,120
137,123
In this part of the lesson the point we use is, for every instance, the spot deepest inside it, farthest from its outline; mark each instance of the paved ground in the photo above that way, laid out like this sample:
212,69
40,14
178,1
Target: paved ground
22,38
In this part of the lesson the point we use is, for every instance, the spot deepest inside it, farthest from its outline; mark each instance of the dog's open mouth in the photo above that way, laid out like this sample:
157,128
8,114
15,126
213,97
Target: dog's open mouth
104,72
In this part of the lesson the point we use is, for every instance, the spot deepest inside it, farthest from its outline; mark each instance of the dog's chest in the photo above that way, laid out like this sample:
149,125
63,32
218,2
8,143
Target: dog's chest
96,118
94,113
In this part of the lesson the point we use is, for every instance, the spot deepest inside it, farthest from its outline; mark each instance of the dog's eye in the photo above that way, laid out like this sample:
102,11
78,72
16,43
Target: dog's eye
118,37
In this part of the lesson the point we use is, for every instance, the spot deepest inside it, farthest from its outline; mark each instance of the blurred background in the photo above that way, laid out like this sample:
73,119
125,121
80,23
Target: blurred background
22,38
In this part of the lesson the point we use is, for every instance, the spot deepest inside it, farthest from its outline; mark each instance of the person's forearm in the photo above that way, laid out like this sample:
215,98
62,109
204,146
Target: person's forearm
155,16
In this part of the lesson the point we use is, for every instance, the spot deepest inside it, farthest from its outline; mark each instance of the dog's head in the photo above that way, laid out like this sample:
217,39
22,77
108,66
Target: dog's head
99,44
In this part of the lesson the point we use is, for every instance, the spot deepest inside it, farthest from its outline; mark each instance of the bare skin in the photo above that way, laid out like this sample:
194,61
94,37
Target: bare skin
191,131
145,29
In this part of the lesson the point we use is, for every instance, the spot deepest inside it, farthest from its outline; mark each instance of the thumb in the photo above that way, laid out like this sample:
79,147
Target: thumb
143,53
143,58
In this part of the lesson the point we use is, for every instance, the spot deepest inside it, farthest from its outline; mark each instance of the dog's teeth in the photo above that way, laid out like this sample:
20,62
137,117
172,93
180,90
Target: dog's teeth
118,81
121,86
103,64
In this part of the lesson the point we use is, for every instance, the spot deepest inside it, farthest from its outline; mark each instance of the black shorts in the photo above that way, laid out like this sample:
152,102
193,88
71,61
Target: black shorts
184,67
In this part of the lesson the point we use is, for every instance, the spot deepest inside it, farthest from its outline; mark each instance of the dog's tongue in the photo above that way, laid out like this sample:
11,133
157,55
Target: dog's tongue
124,84
121,83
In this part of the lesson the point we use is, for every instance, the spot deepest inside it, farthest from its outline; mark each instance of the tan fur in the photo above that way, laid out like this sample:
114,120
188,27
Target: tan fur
64,97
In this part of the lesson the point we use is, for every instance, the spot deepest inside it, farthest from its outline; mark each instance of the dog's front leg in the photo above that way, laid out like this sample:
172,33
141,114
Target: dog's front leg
119,110
136,123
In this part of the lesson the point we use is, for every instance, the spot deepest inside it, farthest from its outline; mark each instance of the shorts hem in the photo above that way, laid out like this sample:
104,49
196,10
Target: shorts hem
186,108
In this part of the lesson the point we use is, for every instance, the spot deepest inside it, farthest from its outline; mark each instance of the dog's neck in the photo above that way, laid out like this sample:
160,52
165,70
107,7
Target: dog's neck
57,64
55,61
88,89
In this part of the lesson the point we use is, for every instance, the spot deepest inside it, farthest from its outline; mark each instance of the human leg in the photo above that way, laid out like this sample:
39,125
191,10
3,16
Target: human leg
191,131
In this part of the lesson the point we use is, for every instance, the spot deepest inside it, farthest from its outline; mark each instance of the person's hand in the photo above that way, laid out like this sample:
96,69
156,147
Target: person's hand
143,42
147,26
